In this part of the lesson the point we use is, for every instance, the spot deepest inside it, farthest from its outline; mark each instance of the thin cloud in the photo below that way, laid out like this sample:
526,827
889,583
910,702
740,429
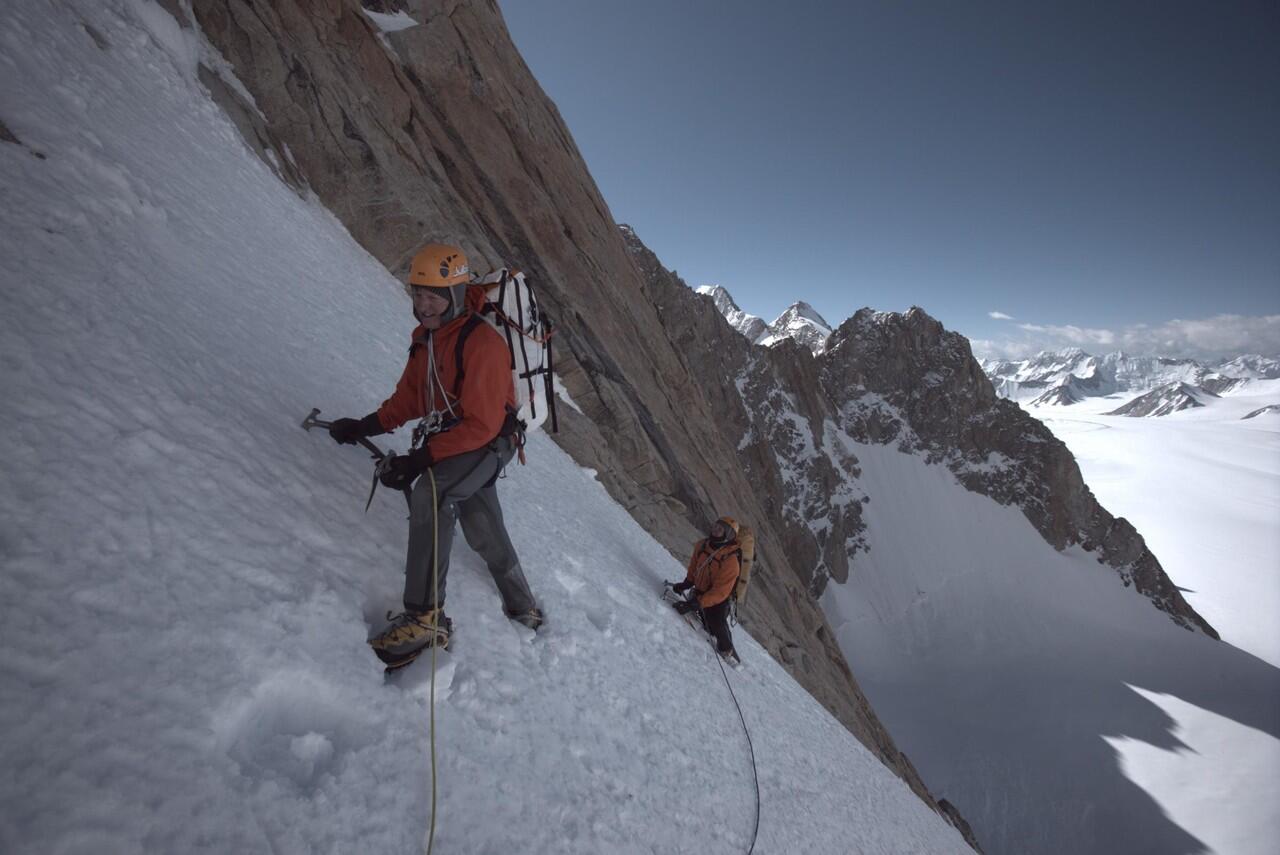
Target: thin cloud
1000,316
1205,338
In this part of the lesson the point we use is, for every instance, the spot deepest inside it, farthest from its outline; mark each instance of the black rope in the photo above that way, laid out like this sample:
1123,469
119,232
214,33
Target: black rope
755,777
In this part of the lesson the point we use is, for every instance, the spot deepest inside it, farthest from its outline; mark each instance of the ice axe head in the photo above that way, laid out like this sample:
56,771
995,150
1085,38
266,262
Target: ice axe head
311,421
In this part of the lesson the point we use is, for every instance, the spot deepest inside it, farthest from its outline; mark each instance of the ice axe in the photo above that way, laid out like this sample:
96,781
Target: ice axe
376,453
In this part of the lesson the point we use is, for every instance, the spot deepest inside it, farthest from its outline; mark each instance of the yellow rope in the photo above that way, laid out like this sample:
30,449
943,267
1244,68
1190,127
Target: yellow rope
435,617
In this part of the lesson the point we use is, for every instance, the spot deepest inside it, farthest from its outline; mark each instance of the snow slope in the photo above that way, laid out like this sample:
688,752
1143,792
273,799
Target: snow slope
188,578
1008,671
1203,487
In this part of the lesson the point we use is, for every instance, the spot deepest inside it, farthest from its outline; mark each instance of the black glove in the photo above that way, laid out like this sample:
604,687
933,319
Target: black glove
350,431
681,587
685,606
402,469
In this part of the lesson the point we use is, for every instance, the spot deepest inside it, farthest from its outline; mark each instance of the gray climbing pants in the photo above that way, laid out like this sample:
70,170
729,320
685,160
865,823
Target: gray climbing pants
464,492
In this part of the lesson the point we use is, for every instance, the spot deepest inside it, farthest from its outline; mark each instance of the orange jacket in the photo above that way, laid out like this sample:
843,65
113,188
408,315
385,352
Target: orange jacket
713,571
487,389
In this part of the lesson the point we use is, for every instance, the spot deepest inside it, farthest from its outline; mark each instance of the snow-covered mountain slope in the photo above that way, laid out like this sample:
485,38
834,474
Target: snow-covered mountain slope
802,323
189,578
1204,487
1055,712
751,326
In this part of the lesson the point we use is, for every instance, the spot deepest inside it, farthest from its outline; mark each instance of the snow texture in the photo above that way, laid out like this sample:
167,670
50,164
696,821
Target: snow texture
1203,486
189,579
1019,679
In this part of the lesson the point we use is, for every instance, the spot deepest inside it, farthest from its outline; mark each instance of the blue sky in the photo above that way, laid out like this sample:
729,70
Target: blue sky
1104,173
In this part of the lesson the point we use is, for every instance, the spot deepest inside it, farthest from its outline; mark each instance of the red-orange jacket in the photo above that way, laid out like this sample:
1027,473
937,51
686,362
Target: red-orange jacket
487,389
714,571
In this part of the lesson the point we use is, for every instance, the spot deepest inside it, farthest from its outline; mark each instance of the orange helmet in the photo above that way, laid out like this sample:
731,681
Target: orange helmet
439,266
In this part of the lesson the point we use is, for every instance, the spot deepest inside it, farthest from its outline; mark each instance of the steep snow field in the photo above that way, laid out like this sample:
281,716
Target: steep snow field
1203,487
188,578
1058,710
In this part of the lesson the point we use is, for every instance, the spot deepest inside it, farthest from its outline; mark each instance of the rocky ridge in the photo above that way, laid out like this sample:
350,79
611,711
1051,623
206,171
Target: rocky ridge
1163,400
887,377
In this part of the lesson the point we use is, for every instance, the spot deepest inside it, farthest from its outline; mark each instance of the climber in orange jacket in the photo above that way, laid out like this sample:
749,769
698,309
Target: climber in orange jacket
457,381
708,585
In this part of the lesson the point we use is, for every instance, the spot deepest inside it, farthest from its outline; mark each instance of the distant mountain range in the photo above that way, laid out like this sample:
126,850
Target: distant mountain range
1160,385
1164,384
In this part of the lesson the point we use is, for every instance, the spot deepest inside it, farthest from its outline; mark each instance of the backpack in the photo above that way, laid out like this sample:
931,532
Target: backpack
746,557
511,308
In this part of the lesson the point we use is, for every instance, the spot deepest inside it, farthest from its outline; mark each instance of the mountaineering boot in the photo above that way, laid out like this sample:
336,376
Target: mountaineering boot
409,633
730,657
531,618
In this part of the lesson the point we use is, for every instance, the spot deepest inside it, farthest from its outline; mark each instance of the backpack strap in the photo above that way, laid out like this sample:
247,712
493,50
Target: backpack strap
463,334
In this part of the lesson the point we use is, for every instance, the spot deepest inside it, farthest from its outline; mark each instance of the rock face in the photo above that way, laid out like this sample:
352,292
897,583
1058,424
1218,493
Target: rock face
439,132
903,378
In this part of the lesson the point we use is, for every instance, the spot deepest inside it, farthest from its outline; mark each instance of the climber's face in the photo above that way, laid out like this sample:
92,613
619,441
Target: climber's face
429,306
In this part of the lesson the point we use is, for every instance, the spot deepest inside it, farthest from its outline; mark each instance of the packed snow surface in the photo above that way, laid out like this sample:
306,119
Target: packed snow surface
189,578
1203,487
1020,681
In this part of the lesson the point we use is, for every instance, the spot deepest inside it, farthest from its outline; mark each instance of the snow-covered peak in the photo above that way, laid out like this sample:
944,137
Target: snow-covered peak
751,326
1250,366
800,322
